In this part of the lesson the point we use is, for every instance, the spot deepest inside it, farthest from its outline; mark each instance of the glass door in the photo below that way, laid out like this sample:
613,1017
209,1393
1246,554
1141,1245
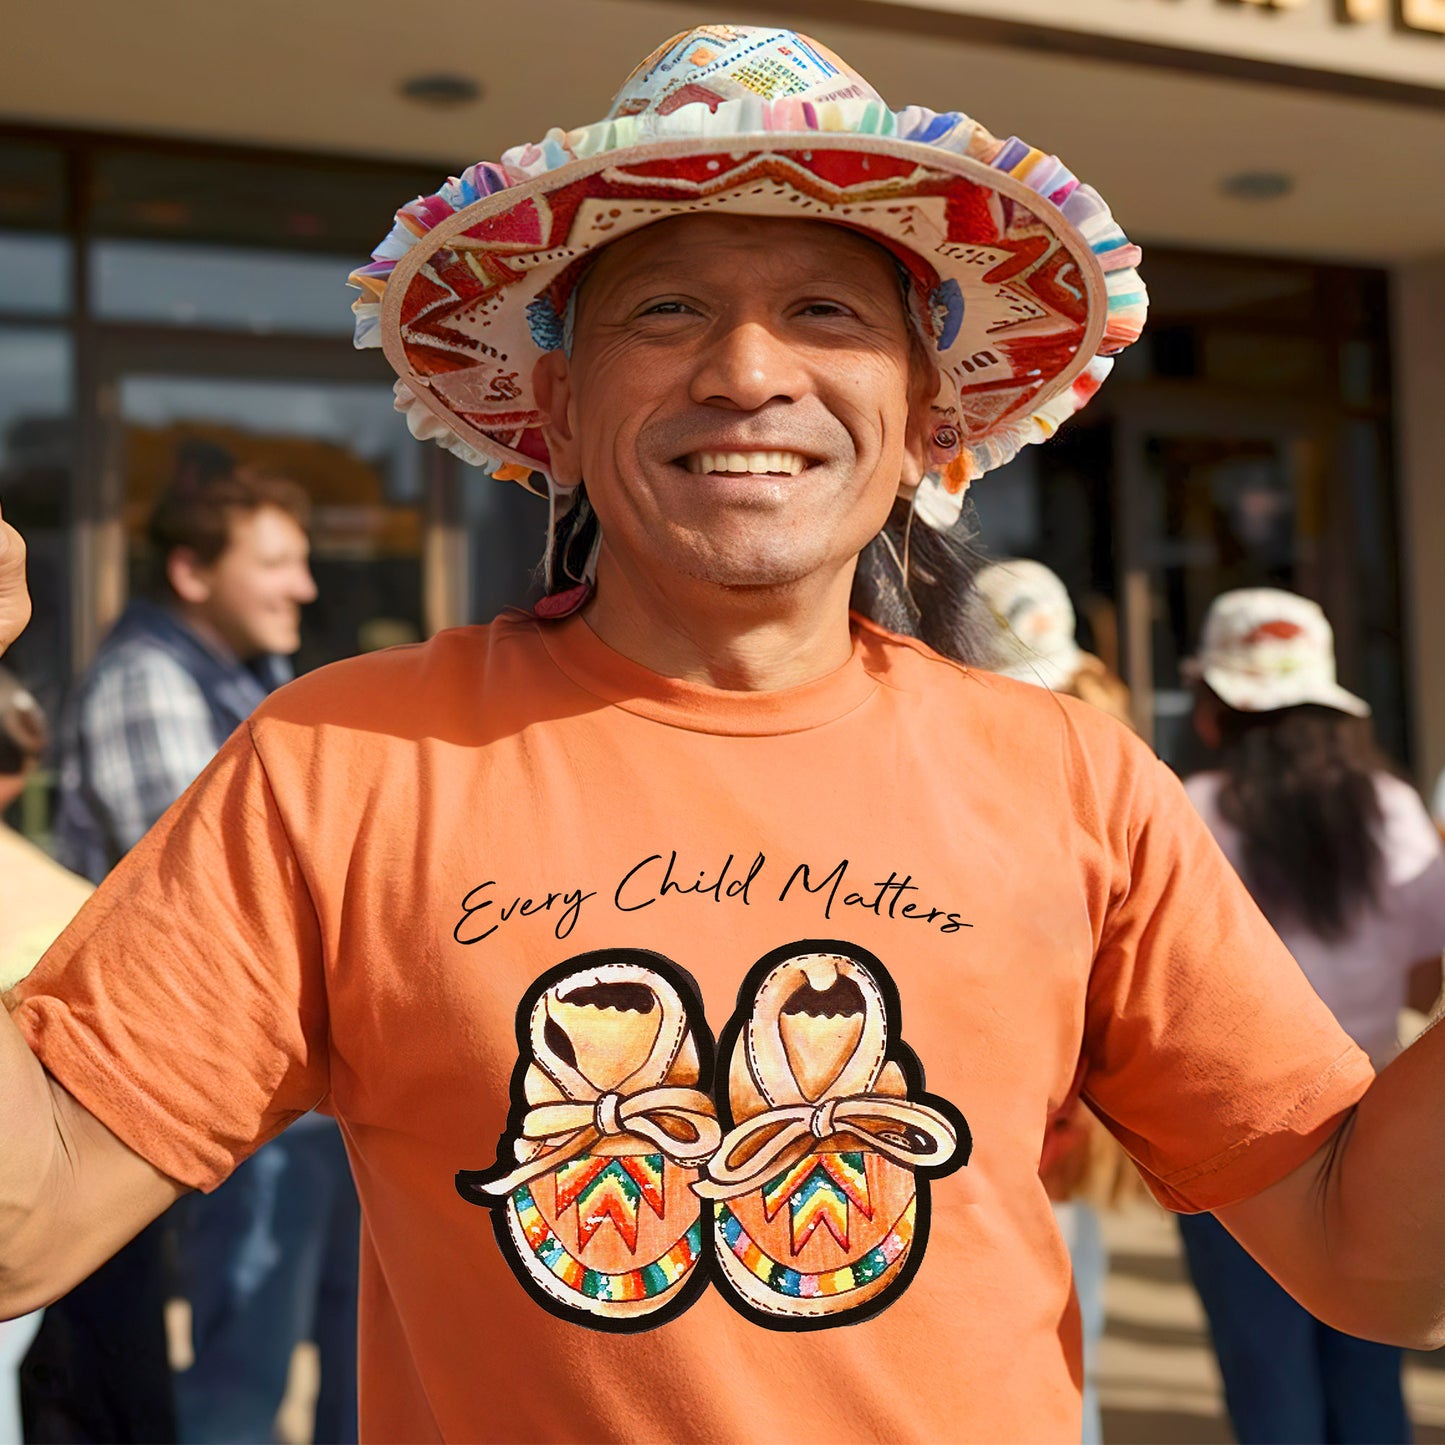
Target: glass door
1209,503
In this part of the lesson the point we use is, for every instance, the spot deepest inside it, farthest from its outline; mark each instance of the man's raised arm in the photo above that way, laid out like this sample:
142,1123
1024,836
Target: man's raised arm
71,1193
1357,1233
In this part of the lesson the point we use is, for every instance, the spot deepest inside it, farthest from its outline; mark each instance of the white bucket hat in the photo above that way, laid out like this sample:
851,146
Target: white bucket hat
1021,623
1264,649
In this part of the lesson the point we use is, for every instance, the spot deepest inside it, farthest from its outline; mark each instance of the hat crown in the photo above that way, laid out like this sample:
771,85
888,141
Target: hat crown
710,64
1267,630
1021,619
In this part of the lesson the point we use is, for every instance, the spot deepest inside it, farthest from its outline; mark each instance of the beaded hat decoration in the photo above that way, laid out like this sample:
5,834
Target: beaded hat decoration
1021,284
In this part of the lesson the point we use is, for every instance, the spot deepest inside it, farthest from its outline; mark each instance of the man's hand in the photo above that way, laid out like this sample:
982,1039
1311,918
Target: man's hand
14,596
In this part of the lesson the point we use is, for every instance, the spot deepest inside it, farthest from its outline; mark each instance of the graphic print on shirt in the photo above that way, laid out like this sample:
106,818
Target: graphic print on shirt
591,1196
616,1194
819,1188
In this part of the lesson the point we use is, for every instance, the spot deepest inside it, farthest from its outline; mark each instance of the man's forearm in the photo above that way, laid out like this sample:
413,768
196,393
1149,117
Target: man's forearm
1384,1194
28,1145
1357,1233
71,1192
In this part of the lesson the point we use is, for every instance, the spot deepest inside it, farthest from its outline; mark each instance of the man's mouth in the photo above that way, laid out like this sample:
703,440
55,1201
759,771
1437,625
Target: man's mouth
756,464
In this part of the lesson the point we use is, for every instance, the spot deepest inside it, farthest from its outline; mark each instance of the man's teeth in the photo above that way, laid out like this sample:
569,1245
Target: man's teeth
745,463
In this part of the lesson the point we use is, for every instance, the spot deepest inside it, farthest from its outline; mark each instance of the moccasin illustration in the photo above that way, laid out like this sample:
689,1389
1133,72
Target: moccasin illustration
592,1195
819,1188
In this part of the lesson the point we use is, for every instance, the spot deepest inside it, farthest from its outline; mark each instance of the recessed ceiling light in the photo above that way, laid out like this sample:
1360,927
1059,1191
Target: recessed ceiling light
441,89
1257,185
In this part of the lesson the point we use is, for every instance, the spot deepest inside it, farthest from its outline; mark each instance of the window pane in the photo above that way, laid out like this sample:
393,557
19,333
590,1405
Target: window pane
32,186
222,287
34,274
317,205
344,444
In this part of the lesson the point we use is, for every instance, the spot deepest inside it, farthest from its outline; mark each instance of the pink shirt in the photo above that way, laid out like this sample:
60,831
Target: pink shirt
1363,976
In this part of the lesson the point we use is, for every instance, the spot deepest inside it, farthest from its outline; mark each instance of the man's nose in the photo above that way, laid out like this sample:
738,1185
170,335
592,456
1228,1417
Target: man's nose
746,366
305,590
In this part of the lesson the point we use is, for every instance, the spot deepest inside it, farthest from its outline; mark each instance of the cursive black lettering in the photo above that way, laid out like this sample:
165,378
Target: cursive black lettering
628,877
802,874
469,908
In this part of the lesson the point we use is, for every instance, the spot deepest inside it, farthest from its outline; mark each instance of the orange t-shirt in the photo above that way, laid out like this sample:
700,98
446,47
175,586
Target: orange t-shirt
371,902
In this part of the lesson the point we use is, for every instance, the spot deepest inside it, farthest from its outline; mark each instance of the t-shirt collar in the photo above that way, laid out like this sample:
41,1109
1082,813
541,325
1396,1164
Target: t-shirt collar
590,663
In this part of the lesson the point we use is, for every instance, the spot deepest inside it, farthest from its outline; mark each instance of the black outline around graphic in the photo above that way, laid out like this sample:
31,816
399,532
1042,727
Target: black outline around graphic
896,1051
468,1180
707,1269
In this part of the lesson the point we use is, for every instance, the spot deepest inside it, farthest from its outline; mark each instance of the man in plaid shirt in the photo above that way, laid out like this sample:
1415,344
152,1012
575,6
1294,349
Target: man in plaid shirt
176,677
168,686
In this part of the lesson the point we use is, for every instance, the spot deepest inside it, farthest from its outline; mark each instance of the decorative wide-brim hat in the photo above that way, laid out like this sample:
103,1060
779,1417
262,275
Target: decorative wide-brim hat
1264,649
1021,624
1021,284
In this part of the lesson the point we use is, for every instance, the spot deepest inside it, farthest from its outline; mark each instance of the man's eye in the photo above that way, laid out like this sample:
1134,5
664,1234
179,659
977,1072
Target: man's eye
667,308
824,308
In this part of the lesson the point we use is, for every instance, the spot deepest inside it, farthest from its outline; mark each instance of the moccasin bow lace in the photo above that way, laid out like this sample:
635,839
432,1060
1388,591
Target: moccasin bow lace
571,1127
906,1132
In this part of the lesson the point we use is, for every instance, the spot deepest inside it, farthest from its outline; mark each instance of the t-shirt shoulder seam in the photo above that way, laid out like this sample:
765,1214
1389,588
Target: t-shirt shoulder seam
254,743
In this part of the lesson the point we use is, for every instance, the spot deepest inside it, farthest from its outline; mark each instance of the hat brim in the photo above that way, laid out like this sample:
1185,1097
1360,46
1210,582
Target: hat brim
1021,301
1247,693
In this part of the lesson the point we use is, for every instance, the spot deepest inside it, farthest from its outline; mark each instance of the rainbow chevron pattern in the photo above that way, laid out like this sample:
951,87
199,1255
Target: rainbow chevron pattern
818,1191
610,1188
795,1284
633,1284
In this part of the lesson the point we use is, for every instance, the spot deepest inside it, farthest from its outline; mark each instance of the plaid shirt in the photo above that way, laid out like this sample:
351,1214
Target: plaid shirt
145,720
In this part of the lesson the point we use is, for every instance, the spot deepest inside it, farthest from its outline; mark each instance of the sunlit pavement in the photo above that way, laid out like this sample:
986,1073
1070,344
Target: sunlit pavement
1158,1381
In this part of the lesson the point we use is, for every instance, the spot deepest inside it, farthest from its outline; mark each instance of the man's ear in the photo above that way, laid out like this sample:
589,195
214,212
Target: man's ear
552,388
923,380
189,580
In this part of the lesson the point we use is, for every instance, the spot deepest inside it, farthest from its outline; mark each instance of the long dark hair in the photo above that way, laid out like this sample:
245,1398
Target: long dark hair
1300,788
928,604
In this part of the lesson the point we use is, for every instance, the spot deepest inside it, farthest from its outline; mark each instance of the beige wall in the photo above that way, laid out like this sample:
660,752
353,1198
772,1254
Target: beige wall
1419,328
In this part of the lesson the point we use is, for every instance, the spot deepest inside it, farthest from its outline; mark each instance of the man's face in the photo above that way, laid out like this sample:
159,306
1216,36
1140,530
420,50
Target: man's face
254,591
742,398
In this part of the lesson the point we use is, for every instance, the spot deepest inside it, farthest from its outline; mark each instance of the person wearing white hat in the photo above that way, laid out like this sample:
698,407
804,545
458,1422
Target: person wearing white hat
487,898
1020,623
1341,855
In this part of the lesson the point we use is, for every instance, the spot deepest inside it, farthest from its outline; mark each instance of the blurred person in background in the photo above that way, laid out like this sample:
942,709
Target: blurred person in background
271,1258
1021,624
37,899
1342,858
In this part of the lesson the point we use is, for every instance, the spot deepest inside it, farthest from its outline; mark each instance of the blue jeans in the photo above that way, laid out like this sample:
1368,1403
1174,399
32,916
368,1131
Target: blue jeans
268,1260
1287,1377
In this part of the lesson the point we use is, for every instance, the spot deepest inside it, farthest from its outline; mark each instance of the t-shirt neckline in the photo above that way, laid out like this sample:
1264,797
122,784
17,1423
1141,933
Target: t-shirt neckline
589,662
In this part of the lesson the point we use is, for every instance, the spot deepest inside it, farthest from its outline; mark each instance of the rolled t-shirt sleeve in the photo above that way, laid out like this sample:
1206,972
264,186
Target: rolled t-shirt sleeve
186,1005
1207,1052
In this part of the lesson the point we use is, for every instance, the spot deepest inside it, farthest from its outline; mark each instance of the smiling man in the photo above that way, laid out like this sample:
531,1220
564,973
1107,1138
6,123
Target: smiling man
694,965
